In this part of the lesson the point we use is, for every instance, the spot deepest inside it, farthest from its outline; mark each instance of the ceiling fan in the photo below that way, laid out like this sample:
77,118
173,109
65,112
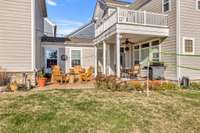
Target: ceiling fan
127,42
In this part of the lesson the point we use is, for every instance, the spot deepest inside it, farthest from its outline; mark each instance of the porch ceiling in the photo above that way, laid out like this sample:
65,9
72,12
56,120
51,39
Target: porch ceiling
132,37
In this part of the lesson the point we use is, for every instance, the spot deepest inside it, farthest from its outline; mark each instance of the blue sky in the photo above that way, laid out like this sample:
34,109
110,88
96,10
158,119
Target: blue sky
70,14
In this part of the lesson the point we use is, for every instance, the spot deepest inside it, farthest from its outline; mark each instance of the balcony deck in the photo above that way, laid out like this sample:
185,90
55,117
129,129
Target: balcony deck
136,22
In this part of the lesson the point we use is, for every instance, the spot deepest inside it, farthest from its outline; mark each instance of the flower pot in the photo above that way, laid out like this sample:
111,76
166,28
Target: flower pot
42,82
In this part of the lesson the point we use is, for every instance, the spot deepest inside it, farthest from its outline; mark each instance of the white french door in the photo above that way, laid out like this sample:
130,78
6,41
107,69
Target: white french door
51,58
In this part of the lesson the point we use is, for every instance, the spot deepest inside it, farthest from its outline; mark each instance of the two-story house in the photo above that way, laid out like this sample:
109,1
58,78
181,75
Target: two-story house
155,30
21,29
120,35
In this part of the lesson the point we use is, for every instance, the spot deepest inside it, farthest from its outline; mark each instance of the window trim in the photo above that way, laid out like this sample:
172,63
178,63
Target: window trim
193,45
170,3
71,49
197,6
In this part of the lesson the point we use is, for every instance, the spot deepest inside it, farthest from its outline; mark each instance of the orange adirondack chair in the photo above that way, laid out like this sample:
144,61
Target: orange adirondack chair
56,74
87,76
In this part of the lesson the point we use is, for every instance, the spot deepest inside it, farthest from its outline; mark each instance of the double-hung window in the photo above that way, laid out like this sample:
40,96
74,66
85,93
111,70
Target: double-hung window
75,58
166,5
137,54
198,5
188,45
144,54
155,51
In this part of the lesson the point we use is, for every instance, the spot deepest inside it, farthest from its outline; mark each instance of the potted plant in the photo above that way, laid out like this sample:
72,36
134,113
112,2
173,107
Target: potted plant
13,86
41,79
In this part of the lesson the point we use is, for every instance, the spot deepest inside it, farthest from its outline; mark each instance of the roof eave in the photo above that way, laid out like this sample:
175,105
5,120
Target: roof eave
43,7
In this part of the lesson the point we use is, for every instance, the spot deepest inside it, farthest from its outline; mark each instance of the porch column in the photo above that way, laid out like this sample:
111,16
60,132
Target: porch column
104,57
118,55
96,61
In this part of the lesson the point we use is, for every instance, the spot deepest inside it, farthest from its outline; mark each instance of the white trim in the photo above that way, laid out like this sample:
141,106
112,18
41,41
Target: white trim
96,61
33,37
56,46
193,45
70,56
104,58
197,5
50,22
170,6
118,41
178,40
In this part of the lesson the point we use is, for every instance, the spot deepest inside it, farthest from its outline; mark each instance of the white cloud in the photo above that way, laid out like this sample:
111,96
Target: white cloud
67,26
51,2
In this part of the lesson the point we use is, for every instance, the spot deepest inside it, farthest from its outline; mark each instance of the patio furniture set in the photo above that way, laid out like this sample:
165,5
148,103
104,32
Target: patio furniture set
76,73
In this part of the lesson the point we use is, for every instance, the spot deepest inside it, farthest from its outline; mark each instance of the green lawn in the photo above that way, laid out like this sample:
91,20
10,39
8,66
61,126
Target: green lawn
93,110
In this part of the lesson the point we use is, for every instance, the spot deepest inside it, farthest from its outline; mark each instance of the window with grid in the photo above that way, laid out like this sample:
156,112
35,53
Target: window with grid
144,54
155,51
189,46
75,58
198,5
137,54
166,5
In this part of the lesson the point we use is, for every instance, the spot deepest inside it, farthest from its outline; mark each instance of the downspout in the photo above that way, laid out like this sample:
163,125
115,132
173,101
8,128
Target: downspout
178,39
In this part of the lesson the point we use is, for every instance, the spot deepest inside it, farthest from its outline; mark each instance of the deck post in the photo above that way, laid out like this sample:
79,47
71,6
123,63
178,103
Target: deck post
96,61
104,57
118,55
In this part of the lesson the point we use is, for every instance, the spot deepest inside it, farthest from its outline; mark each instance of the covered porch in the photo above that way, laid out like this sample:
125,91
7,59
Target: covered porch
119,53
128,37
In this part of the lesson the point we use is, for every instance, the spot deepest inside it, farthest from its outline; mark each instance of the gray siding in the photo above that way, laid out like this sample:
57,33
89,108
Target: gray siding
49,29
15,35
61,62
39,22
168,44
190,27
88,57
87,32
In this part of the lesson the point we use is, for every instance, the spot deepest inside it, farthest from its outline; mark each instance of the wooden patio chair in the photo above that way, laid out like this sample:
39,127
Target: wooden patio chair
56,74
88,75
135,71
78,70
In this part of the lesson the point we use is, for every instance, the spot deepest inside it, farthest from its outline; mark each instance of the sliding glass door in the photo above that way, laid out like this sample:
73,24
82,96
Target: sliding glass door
145,52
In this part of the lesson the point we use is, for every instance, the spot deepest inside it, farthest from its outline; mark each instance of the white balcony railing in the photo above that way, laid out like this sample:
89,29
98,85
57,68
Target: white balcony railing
126,16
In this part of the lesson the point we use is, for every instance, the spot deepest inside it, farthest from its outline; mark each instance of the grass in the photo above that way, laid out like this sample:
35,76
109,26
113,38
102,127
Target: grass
73,111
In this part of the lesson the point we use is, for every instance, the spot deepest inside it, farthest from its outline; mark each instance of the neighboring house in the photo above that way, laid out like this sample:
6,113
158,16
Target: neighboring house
21,29
164,30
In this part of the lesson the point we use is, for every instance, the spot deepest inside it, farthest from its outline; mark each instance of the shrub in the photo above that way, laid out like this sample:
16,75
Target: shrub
111,83
169,86
155,85
195,86
137,85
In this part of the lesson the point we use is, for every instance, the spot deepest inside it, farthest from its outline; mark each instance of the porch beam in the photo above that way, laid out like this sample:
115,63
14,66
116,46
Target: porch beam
104,57
96,61
118,55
